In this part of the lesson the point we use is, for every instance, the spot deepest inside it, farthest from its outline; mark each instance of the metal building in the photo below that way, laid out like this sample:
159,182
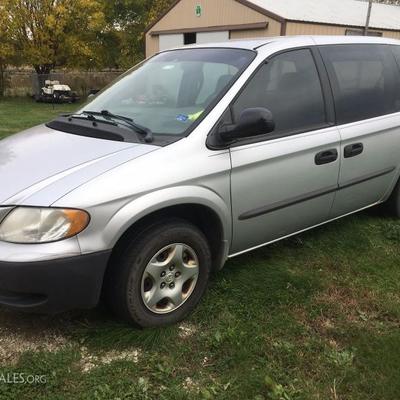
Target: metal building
202,21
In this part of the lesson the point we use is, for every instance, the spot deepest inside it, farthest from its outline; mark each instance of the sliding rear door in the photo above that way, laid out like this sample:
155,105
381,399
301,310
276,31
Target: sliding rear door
366,86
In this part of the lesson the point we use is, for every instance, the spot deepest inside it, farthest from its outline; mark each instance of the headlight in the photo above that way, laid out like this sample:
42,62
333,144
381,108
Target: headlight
42,225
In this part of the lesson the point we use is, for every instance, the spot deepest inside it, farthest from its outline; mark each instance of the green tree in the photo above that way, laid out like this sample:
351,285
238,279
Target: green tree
52,33
157,8
7,49
123,39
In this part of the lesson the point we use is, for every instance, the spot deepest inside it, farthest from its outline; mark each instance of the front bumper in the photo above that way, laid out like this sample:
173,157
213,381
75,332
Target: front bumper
53,286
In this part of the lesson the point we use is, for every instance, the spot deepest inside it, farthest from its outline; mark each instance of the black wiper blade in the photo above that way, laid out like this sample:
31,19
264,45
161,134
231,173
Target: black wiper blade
89,117
148,134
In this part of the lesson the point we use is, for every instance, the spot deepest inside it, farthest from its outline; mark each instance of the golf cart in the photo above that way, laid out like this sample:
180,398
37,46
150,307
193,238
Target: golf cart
54,92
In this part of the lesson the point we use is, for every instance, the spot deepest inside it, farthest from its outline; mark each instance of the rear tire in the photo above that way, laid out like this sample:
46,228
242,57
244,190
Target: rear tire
393,204
149,268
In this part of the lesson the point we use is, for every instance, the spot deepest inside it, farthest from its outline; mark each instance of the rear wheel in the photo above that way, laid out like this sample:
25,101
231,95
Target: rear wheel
393,204
161,276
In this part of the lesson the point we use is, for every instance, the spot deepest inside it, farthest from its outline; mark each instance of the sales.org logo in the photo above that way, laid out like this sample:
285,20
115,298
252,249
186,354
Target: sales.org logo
23,378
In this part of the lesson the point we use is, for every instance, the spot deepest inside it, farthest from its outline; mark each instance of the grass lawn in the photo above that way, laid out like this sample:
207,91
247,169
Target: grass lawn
19,114
313,317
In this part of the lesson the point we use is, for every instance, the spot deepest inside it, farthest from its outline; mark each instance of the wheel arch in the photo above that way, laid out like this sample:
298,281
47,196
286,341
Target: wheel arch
199,206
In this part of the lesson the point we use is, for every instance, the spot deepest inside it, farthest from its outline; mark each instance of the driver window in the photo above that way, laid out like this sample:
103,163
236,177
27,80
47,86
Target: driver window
289,86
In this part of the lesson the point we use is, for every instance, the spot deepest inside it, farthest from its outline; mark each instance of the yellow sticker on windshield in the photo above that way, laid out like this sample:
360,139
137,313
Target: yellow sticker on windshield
194,117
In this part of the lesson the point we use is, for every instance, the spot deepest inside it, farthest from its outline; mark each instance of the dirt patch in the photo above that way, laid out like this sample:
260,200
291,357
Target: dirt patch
89,361
191,385
20,333
12,345
186,330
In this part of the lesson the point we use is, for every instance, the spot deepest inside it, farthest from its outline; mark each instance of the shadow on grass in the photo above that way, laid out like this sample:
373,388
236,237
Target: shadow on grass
251,289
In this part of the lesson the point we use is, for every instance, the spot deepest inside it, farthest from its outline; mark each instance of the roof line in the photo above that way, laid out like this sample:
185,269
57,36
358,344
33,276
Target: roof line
372,27
161,16
216,28
261,10
272,15
243,2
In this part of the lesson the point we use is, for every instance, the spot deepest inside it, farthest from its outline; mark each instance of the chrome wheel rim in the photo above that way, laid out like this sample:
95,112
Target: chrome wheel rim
169,278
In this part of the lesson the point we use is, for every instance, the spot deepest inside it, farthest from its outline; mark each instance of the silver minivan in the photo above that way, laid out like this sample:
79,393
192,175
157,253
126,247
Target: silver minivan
194,156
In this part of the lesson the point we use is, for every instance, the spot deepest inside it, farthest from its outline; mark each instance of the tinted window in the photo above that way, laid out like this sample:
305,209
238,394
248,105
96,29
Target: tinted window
289,86
364,81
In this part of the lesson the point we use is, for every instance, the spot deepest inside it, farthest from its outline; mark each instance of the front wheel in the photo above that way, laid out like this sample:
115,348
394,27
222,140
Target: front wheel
161,276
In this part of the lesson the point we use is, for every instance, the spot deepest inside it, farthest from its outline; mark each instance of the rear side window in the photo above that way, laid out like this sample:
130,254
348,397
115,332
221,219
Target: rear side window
365,81
289,86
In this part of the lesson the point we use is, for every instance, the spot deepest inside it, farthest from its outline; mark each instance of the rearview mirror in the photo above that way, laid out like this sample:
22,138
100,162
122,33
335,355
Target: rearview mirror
252,122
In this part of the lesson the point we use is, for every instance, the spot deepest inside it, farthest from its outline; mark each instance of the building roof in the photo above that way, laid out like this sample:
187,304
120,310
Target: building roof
337,12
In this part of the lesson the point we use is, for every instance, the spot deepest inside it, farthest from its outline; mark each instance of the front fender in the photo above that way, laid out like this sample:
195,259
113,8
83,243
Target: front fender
146,204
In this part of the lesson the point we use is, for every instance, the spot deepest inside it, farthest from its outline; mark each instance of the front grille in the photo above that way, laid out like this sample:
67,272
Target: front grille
4,211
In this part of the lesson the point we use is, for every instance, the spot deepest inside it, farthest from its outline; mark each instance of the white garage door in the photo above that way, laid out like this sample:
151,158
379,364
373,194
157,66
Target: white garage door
212,37
171,41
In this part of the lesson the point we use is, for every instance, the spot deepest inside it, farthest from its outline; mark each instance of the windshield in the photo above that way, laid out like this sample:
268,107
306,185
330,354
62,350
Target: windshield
173,90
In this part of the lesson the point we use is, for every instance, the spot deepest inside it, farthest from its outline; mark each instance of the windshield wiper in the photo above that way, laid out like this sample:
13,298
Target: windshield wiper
148,134
88,117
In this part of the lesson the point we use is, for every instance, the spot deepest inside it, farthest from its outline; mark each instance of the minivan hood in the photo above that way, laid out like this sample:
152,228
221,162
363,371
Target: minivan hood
43,159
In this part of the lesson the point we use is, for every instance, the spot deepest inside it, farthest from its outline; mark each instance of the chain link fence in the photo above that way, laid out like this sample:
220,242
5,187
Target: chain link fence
28,83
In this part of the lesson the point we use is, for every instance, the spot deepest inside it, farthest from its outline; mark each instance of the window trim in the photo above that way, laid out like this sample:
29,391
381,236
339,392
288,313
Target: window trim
327,96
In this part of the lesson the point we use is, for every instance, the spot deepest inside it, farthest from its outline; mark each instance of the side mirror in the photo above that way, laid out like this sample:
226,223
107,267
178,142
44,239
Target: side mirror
252,122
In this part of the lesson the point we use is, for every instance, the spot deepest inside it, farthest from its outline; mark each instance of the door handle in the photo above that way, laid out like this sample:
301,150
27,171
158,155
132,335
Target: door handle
326,157
353,150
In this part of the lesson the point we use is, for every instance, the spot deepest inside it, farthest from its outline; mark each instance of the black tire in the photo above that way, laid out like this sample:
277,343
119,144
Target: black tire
124,279
393,204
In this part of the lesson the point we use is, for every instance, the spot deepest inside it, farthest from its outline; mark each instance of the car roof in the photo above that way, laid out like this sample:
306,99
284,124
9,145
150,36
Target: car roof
254,44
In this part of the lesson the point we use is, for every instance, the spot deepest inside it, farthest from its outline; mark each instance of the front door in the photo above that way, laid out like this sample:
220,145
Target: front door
285,181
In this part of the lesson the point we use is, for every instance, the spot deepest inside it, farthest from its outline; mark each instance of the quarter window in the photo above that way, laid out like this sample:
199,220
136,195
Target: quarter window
289,86
364,80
